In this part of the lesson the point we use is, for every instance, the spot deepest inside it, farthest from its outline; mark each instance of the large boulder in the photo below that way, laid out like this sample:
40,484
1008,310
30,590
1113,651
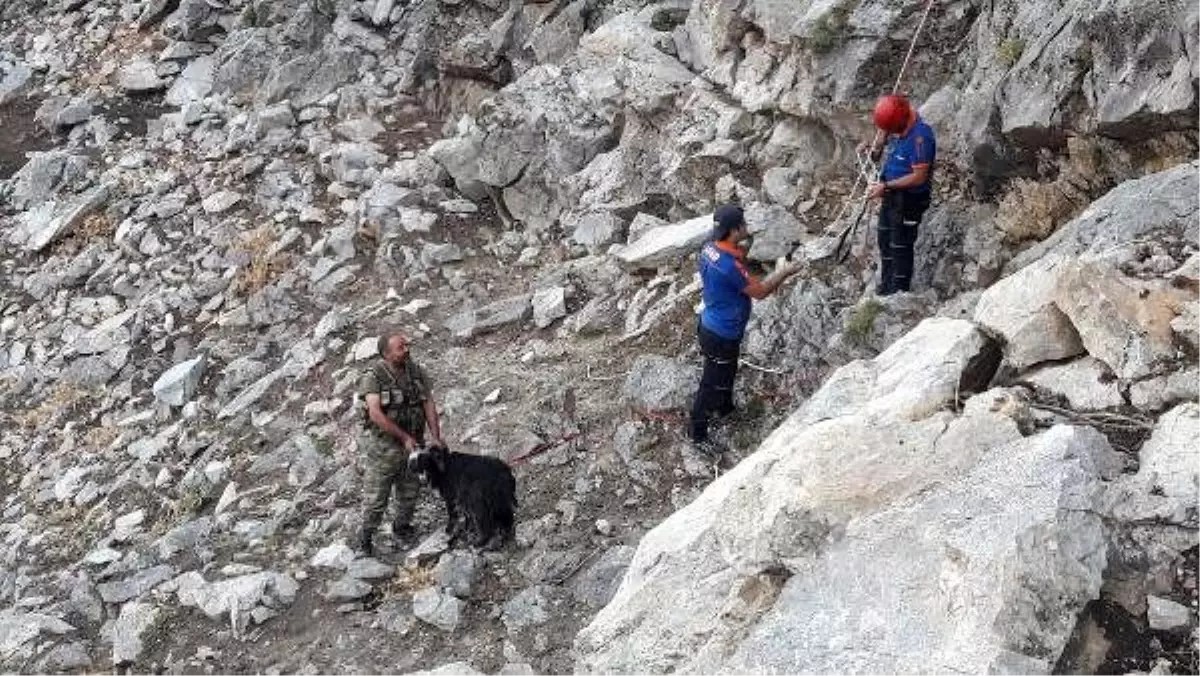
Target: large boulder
915,377
1155,515
666,244
1166,488
236,595
490,317
49,221
529,141
1021,308
1124,322
874,531
1086,383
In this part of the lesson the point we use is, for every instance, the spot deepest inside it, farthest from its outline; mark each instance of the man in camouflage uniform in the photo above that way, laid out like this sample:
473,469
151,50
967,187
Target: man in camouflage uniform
399,411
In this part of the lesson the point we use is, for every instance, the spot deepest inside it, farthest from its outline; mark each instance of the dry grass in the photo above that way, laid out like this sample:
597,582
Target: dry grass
96,226
1085,158
263,267
409,580
63,396
101,437
1032,210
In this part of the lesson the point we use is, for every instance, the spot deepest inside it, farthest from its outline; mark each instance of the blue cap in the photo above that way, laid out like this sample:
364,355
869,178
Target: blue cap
727,217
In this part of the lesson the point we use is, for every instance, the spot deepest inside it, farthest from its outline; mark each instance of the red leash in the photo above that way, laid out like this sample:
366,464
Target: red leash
543,447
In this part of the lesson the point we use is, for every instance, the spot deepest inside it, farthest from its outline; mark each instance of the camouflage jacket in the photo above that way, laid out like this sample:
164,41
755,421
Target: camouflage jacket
402,393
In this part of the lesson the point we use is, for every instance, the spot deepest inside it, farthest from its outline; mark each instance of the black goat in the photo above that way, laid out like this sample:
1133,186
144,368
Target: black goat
479,489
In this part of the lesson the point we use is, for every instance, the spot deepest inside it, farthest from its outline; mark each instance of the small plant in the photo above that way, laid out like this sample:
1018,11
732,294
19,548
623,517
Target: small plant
324,446
189,503
96,225
862,321
62,398
263,266
101,437
325,8
250,17
1009,51
829,29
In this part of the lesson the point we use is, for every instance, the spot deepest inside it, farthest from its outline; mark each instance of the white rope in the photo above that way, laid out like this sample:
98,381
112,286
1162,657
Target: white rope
867,169
912,47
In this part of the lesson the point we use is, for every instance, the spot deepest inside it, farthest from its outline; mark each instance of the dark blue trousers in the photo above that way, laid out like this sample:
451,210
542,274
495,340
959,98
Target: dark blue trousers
899,217
715,394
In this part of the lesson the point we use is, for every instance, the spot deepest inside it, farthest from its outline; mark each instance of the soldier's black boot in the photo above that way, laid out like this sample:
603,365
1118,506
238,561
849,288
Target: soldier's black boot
364,544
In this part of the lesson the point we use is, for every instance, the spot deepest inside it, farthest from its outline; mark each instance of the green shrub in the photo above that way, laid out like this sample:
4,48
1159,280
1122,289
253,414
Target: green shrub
862,321
829,30
1010,51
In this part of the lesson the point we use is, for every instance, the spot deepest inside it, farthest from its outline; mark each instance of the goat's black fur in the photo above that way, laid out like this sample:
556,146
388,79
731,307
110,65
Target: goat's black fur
479,490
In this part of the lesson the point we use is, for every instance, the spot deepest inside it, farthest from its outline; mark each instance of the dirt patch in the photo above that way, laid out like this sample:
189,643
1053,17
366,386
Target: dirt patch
21,134
1110,641
131,113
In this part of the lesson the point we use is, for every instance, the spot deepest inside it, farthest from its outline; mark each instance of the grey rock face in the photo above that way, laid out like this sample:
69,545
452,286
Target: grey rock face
658,383
43,175
667,243
13,81
1021,308
1166,615
1159,204
184,537
549,305
66,657
61,113
134,621
1087,383
18,629
347,589
598,583
452,669
775,231
597,229
243,593
490,317
774,554
529,608
140,76
369,569
134,586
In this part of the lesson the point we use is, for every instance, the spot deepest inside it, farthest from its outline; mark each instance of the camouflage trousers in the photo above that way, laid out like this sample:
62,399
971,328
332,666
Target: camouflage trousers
386,470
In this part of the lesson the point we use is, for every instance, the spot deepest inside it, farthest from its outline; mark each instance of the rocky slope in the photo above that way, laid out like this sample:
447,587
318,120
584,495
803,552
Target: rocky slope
899,520
212,208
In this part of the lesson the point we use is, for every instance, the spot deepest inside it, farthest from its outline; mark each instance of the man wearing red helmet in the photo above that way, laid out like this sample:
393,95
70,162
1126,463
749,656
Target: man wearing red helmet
904,186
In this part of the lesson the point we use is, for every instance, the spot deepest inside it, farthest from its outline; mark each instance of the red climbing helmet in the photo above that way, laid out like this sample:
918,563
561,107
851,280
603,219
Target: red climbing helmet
892,113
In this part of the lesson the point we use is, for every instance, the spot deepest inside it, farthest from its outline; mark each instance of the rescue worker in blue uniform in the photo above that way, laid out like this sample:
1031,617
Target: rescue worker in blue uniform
728,290
905,188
